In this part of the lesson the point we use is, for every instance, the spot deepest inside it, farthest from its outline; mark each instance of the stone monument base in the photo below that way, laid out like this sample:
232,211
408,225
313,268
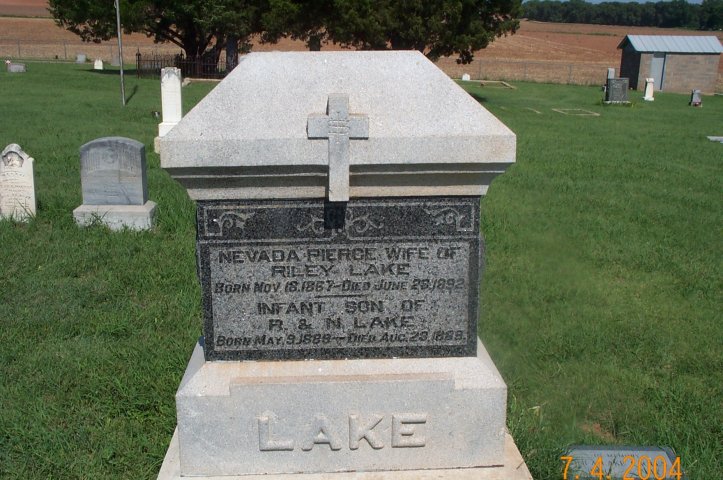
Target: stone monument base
269,417
513,468
117,217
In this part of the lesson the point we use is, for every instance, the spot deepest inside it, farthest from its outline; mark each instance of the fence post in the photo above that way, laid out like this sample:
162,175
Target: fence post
18,48
65,49
479,77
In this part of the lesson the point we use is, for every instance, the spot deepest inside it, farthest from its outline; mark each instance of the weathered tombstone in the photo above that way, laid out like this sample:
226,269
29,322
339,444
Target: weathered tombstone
617,90
171,102
338,223
113,179
649,89
695,99
15,67
115,59
98,64
466,77
80,58
611,73
17,184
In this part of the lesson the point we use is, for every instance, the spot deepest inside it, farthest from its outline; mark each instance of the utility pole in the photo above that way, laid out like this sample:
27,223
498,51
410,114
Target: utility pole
120,52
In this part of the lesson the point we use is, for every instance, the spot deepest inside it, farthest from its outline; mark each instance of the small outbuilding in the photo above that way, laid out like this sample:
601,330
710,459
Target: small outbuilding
677,63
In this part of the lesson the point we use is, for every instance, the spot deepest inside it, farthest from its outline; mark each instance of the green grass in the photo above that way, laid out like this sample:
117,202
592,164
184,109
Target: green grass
599,297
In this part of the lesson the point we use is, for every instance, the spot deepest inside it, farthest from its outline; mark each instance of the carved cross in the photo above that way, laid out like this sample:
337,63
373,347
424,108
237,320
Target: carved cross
339,127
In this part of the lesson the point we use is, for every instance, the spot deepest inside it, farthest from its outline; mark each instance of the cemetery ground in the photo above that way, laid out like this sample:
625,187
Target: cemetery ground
601,297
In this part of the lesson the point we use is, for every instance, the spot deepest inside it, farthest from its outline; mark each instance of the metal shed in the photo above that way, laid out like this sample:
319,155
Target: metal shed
677,63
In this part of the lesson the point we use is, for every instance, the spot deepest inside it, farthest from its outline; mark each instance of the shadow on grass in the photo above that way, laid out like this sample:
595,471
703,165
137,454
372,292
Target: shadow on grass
133,94
478,97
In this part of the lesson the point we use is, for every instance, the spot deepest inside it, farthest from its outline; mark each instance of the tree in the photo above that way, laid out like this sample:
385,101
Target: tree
305,20
199,27
434,27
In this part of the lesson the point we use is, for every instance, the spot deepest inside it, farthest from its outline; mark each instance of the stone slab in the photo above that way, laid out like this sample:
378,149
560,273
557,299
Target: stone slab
113,172
171,99
248,137
117,217
264,417
617,90
17,184
513,468
369,278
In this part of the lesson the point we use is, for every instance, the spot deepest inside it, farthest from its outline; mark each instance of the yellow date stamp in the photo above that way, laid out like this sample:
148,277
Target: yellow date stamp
621,463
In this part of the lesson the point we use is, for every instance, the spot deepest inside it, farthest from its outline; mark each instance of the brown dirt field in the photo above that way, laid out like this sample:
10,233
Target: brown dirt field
25,8
546,52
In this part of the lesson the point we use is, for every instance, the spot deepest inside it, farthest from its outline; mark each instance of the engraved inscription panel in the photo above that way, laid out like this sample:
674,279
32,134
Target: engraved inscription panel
368,278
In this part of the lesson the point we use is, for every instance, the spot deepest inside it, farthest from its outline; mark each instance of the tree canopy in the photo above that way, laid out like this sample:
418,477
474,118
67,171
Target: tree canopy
434,27
199,27
675,13
204,27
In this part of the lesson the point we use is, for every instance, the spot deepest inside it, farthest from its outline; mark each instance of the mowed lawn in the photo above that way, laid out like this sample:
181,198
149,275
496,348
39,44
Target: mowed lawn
601,297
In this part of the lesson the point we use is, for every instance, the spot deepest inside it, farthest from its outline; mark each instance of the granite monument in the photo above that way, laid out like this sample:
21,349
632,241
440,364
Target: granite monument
340,257
617,90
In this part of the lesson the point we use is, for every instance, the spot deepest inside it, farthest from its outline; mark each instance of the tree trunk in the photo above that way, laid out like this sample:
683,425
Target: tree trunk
231,52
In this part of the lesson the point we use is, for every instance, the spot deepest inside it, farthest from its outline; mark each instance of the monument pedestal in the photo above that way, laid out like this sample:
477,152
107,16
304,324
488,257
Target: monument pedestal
513,468
390,418
117,217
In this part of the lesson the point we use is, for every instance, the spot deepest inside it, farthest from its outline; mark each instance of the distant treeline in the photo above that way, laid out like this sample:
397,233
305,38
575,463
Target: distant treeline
676,13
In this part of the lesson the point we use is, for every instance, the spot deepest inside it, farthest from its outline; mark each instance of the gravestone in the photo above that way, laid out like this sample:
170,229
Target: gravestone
98,64
113,179
466,77
695,99
115,59
649,90
80,58
617,90
16,67
171,102
611,73
340,258
17,184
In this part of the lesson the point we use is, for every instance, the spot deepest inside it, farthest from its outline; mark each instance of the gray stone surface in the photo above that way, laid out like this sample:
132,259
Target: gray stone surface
80,58
115,191
695,98
263,417
617,90
117,217
387,278
17,184
248,137
113,172
513,468
338,126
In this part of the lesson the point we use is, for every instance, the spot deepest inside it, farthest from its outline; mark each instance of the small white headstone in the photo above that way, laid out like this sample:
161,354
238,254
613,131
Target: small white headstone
17,184
649,88
611,72
466,77
98,65
80,58
171,100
